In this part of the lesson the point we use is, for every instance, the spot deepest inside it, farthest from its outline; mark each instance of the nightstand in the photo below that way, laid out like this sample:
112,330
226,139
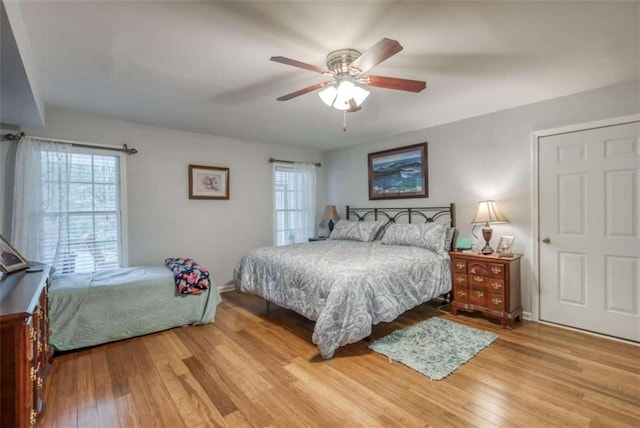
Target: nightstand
317,239
489,284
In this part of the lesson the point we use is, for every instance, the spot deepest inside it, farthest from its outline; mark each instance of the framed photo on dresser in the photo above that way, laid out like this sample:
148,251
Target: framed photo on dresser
10,259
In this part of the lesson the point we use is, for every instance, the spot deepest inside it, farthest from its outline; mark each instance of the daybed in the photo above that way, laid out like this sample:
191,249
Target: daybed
355,280
88,309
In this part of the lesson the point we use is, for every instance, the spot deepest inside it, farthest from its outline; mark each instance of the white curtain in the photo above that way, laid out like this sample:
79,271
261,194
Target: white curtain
39,220
306,185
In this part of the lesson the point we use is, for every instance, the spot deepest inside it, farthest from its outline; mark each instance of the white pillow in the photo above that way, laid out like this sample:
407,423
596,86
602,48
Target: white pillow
364,231
428,235
448,238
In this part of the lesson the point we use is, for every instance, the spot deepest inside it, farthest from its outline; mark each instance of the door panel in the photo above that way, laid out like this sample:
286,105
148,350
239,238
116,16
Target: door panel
589,209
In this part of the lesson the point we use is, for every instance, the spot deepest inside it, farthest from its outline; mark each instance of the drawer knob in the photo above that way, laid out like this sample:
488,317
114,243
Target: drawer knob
39,382
460,279
32,375
479,293
39,347
32,418
460,265
496,270
32,334
496,285
496,301
461,293
478,278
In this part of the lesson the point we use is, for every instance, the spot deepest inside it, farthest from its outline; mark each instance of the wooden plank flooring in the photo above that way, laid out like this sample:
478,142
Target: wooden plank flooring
251,368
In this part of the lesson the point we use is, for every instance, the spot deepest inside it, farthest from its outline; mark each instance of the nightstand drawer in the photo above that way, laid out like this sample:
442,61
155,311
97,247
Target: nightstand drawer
496,270
459,265
478,298
495,302
495,285
460,294
479,268
459,279
478,281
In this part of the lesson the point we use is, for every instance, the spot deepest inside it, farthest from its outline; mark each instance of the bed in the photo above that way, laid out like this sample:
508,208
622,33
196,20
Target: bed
347,285
89,309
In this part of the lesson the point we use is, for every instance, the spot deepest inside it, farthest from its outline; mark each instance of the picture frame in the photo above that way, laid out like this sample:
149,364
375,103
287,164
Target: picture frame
399,173
208,182
10,259
505,244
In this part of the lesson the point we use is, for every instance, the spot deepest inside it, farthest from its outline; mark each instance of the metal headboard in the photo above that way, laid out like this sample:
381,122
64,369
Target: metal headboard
413,215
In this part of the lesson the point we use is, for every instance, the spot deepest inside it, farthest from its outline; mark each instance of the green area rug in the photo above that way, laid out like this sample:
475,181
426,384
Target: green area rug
435,347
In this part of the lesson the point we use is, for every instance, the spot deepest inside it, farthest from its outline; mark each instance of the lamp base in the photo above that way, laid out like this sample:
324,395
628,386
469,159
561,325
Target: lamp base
486,234
330,226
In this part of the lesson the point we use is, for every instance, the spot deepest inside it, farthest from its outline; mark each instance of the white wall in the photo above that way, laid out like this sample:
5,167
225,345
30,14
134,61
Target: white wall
483,157
162,221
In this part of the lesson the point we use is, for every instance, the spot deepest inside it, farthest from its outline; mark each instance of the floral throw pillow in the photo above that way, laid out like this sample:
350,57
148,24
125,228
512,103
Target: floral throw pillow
429,235
364,231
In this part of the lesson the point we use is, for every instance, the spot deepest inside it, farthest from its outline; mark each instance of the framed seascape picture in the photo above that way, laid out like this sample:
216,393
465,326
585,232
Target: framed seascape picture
10,259
399,173
208,182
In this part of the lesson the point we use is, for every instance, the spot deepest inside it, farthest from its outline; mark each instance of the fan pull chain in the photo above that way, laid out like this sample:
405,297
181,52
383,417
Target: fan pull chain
344,121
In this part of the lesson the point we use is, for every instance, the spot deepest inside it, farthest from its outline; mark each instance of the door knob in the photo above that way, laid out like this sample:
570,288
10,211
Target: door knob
546,240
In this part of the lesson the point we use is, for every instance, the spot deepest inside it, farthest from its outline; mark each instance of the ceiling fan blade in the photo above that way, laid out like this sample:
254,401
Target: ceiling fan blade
293,62
303,91
377,53
394,83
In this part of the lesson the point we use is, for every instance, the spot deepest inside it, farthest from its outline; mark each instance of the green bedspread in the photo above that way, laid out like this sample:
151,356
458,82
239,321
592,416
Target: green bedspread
99,307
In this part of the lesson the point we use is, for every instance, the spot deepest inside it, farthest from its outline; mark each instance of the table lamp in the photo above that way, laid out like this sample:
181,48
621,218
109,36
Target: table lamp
330,213
488,213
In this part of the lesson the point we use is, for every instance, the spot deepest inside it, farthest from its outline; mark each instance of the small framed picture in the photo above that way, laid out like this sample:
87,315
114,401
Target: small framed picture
10,259
505,244
208,182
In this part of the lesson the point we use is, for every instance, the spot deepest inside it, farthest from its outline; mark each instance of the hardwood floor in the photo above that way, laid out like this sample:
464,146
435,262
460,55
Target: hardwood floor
254,369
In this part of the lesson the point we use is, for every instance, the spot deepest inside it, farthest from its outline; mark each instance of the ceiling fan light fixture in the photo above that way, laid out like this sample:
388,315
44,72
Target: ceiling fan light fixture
328,95
359,95
340,97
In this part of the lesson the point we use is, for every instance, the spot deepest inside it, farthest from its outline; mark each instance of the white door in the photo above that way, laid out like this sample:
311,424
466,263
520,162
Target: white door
589,230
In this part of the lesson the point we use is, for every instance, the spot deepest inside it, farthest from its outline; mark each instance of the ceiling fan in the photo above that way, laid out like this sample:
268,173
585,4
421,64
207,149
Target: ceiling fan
348,68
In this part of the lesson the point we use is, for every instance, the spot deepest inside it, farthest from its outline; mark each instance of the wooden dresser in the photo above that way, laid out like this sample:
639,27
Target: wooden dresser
24,346
488,284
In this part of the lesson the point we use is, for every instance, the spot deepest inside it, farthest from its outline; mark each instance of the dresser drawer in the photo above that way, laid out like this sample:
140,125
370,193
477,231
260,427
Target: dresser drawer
459,265
460,294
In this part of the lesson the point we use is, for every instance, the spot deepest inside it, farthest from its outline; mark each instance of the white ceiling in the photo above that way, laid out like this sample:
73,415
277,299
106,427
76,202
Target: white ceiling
204,66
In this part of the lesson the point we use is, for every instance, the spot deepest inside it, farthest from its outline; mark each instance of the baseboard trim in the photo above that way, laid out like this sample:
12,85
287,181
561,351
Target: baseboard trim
527,316
226,287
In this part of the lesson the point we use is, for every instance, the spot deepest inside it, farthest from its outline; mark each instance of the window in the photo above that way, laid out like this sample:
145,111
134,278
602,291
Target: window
82,210
295,202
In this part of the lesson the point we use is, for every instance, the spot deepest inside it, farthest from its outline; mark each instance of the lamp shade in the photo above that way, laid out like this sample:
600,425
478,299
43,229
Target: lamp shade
488,212
330,213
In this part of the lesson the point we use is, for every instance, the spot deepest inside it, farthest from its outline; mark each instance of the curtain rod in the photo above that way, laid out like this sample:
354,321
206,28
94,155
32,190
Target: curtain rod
124,148
272,160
